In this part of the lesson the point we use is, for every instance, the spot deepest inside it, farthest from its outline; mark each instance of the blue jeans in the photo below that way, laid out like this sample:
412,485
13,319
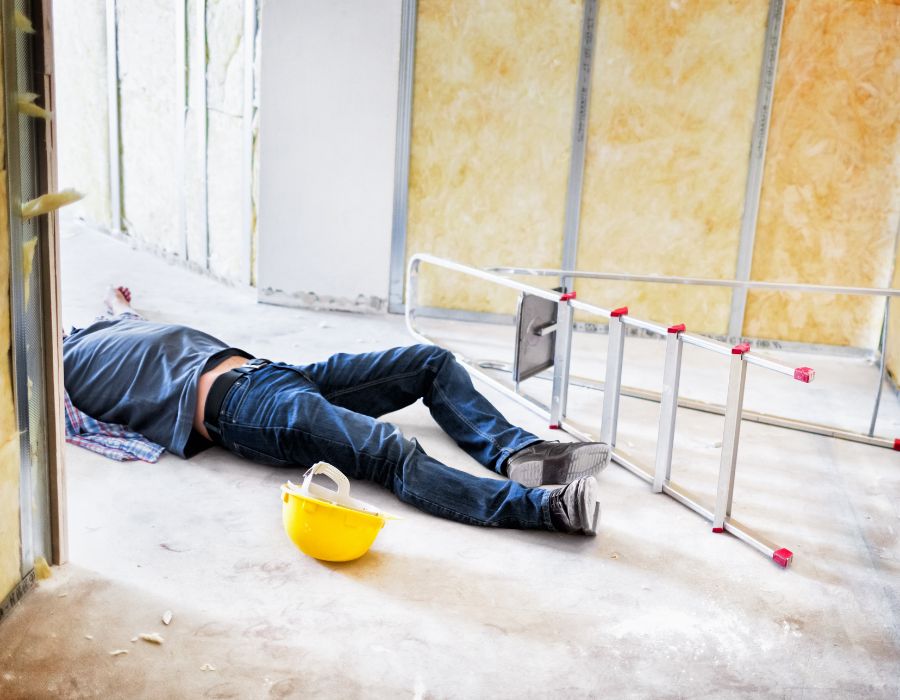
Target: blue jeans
283,414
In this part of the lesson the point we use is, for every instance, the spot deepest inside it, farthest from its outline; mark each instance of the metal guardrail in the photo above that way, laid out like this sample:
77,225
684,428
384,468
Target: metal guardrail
676,337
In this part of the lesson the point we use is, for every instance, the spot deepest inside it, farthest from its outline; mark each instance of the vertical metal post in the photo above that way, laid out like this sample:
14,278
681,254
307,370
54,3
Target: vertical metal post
247,142
759,140
579,142
181,108
885,331
882,365
112,105
199,61
613,384
401,157
562,361
733,408
667,407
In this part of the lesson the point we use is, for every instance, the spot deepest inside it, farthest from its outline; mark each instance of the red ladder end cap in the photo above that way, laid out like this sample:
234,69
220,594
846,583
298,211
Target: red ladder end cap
554,426
718,529
783,557
740,349
897,444
621,311
804,374
567,296
680,328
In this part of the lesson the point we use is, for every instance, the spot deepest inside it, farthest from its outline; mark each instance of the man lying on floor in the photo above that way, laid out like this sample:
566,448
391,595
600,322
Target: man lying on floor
186,390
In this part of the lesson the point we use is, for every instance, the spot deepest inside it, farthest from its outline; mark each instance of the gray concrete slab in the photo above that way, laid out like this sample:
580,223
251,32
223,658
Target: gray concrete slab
655,606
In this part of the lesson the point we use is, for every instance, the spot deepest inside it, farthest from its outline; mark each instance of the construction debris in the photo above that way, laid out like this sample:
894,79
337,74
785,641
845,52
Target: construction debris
118,652
23,24
49,202
25,104
152,637
207,667
42,568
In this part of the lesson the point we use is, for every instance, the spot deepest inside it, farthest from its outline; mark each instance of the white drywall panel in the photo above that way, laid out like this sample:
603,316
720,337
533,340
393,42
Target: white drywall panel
81,113
327,133
150,174
225,195
225,94
195,139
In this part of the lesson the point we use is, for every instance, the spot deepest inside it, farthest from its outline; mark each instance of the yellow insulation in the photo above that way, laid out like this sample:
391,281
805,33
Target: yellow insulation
9,438
27,265
42,568
25,104
831,191
23,24
9,513
492,120
673,98
49,202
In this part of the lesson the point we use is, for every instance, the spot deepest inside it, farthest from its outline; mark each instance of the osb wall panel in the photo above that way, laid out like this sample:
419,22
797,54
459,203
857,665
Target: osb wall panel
9,439
832,179
674,91
492,118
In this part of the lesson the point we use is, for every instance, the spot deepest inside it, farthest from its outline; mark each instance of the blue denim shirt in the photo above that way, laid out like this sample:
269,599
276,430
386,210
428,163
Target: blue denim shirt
143,375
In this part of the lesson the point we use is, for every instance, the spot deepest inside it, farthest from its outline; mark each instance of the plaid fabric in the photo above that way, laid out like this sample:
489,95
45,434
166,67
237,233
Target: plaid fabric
108,439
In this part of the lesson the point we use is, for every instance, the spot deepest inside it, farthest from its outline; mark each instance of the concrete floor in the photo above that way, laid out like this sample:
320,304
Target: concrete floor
655,606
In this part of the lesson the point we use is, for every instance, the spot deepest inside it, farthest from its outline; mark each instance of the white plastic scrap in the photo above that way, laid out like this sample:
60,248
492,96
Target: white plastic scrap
167,617
152,637
207,667
118,652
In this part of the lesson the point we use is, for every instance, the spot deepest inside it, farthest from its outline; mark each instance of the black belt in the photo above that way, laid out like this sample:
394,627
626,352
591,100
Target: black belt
219,390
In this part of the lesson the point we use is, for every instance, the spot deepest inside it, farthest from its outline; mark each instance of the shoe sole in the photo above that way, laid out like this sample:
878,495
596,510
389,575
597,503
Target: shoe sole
585,462
590,509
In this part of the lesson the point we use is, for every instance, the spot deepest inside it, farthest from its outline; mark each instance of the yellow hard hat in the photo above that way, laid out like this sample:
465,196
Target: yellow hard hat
328,524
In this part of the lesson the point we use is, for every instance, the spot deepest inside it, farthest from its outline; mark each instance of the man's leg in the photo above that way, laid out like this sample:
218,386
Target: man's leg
376,383
277,414
380,382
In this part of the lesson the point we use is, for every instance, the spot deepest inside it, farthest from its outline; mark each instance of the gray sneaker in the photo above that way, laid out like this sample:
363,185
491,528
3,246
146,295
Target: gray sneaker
556,462
576,508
